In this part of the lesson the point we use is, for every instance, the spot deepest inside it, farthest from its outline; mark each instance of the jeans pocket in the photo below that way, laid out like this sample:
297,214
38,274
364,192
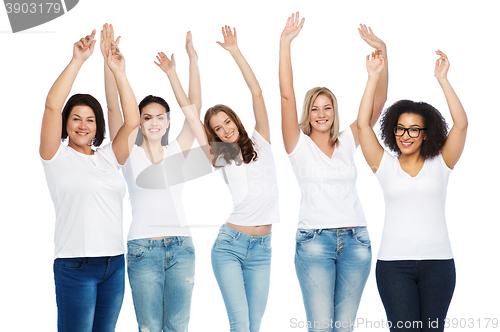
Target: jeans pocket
72,263
224,238
135,253
304,236
362,237
187,244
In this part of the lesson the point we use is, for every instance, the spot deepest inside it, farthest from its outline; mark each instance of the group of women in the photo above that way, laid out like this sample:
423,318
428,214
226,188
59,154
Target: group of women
415,270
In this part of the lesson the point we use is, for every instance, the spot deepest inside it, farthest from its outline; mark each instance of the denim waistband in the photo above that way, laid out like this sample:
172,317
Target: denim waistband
242,236
339,231
158,243
99,259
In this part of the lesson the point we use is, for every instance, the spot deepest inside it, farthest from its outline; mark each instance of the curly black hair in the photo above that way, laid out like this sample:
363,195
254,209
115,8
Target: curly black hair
437,128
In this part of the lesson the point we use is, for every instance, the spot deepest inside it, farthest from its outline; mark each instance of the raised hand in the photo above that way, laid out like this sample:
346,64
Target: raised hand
84,48
107,37
230,42
190,47
376,64
367,35
442,65
166,64
292,28
114,59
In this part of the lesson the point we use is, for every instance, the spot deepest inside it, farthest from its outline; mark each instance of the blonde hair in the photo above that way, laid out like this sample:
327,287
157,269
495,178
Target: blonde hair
304,123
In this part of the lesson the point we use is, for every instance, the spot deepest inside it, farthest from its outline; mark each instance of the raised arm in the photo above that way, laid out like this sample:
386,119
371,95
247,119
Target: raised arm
259,107
190,112
50,136
115,119
186,136
372,150
289,120
454,145
122,143
369,37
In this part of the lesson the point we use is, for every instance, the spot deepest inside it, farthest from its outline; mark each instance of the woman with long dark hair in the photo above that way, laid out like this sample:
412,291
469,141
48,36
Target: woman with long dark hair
160,250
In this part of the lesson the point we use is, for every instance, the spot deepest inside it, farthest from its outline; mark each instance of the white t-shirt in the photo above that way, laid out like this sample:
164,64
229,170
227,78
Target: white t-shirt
156,194
415,224
254,187
329,198
87,191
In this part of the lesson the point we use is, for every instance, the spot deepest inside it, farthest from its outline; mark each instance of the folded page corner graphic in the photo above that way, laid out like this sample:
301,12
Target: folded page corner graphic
24,14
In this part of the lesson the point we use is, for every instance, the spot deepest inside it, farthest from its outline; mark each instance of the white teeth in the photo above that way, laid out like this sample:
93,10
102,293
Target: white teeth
321,121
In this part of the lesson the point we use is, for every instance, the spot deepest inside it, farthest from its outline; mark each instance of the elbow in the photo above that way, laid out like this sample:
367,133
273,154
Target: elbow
257,93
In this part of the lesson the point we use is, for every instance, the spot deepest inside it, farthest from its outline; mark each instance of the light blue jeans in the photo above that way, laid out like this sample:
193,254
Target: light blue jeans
242,267
332,266
161,276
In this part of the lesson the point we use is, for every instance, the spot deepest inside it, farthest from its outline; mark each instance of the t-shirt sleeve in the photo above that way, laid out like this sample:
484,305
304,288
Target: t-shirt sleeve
260,141
346,138
383,168
56,156
108,154
444,168
298,147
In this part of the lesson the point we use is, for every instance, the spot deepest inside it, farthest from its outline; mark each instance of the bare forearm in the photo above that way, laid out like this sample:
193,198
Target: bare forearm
247,72
366,106
131,117
194,83
180,95
115,119
62,86
381,91
456,109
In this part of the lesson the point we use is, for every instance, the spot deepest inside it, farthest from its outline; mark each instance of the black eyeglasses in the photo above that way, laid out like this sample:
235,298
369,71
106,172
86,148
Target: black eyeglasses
413,132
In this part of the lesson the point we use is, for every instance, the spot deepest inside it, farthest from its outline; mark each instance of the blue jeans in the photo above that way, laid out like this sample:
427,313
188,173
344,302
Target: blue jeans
242,267
416,293
161,276
89,292
332,266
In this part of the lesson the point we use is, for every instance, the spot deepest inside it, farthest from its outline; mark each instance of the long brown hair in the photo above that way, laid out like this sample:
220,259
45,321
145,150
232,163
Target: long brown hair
229,151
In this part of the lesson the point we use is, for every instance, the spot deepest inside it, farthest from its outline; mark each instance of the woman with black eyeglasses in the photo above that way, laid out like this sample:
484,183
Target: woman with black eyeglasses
415,268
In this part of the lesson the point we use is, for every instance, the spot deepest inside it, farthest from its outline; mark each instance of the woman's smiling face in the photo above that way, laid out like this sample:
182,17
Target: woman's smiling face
410,145
224,127
154,122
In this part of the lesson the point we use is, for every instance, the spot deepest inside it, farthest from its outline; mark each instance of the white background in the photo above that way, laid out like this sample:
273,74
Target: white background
328,52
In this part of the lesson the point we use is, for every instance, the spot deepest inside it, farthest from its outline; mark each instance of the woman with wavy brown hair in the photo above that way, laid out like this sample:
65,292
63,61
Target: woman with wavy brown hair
241,254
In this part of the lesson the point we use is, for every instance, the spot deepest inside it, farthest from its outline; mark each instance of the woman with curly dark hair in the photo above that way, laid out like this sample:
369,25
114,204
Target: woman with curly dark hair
241,254
415,268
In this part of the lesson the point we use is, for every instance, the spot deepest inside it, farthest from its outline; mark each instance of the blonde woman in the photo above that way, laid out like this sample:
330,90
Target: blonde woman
333,250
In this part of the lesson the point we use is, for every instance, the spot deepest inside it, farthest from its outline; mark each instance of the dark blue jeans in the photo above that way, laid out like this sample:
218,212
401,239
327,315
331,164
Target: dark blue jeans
416,293
89,292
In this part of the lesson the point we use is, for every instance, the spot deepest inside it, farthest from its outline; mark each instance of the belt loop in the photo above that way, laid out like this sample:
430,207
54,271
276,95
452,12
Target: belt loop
319,231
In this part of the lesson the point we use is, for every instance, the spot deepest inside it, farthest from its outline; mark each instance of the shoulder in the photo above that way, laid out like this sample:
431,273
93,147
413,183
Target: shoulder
386,163
106,152
304,141
61,151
